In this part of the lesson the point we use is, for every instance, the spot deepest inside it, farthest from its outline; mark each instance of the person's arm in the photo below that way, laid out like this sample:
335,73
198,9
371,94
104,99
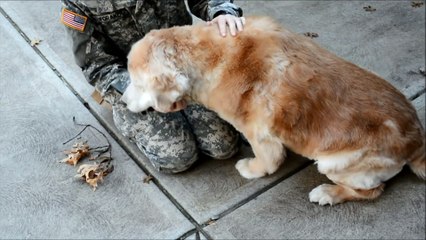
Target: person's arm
102,64
208,10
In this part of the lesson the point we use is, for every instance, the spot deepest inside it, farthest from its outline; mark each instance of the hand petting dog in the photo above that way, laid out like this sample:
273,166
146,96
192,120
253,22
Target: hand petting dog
231,22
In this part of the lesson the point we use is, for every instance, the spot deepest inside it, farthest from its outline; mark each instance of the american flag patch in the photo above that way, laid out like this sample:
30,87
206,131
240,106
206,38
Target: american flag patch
73,20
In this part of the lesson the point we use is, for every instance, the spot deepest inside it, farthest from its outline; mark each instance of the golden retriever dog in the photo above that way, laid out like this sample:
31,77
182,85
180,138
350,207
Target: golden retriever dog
281,90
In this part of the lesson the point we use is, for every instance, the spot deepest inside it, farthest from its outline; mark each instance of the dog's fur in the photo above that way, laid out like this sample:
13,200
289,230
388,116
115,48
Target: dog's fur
281,89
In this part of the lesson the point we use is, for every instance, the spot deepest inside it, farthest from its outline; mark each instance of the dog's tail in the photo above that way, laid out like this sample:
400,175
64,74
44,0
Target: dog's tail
418,162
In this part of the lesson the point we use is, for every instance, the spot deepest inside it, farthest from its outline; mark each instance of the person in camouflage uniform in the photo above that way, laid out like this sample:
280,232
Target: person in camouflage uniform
102,33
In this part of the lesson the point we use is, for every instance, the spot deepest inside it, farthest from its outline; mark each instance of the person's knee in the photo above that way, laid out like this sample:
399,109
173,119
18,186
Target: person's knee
166,140
171,161
215,137
223,149
223,153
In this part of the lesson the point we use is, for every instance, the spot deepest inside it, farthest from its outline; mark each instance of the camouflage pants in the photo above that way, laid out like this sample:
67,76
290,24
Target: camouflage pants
172,141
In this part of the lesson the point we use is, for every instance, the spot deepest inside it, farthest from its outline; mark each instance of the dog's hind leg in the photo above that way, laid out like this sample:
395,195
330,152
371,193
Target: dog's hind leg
362,181
334,194
269,154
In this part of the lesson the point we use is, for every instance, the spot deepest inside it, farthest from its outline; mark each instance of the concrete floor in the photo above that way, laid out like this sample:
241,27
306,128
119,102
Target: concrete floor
42,90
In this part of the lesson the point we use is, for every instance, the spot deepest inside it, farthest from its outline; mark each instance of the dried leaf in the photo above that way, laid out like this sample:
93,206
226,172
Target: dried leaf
79,150
99,151
211,222
417,4
148,179
94,173
311,34
369,9
35,42
89,174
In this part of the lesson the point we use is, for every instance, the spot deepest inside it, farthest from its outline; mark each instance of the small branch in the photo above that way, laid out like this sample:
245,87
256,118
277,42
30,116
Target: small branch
108,147
78,134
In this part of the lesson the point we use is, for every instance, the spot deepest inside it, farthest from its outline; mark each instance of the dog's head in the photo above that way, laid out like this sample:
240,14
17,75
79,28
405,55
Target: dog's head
155,78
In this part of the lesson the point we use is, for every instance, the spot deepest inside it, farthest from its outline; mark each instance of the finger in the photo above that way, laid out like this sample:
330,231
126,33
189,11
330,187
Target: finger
231,24
222,26
243,20
239,25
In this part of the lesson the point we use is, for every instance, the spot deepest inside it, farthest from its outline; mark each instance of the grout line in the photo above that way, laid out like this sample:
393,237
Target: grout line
256,194
191,232
417,94
187,234
105,126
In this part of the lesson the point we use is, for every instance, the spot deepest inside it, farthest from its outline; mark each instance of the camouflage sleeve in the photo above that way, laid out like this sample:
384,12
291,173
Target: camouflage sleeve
207,10
101,64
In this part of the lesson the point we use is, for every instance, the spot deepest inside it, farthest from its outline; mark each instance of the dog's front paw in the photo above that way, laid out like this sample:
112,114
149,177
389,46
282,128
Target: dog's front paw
246,169
324,194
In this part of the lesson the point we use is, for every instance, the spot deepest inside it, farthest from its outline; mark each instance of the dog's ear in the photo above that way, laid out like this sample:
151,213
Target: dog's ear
164,50
166,82
163,82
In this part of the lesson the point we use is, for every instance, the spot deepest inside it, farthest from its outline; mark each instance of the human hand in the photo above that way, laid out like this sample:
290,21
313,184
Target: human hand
234,24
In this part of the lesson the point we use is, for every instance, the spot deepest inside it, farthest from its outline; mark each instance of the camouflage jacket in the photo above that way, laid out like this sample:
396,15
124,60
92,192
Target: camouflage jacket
102,32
